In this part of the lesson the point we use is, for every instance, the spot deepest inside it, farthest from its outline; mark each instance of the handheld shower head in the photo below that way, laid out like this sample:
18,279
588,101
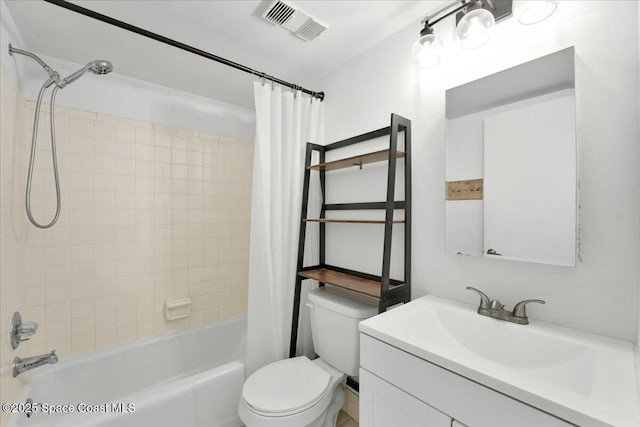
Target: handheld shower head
99,66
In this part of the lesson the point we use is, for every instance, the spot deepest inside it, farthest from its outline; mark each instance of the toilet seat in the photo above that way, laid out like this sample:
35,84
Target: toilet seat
286,387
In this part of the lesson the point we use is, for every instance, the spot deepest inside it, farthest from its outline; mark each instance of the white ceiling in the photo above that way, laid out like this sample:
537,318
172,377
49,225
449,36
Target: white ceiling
231,29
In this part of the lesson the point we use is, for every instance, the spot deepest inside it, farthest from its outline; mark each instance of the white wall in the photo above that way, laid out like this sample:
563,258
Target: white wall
638,138
8,34
124,96
601,293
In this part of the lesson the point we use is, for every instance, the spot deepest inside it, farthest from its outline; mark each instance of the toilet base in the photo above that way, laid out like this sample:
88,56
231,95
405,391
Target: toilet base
331,414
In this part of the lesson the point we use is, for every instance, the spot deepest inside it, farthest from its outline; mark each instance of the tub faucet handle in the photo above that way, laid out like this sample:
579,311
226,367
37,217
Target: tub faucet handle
19,330
26,329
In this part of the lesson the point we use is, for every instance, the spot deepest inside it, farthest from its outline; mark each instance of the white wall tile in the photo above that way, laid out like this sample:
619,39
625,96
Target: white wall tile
106,338
57,293
83,326
80,163
58,330
139,226
104,130
83,344
80,126
125,133
58,311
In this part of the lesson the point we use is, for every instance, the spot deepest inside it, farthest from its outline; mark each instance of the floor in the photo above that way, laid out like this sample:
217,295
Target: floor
345,420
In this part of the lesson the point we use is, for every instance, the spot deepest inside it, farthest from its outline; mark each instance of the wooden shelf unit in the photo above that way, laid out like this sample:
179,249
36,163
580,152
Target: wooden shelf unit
359,160
353,221
331,276
387,291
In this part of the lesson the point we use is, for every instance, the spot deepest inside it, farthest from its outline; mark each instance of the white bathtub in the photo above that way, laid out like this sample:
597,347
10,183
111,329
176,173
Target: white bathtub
188,378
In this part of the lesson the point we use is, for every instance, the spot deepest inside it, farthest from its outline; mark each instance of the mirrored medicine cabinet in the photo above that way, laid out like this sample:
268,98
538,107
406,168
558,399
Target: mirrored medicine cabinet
511,164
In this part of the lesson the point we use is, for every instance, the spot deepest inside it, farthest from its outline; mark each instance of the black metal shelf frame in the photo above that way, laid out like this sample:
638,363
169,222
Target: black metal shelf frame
401,290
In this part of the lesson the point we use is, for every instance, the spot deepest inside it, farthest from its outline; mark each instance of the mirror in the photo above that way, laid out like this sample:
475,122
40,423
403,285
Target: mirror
511,164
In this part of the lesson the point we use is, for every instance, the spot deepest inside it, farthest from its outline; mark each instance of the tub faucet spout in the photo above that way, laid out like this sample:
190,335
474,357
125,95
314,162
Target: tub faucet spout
29,363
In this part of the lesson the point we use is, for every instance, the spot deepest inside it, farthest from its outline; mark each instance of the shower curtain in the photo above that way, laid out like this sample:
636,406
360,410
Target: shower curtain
285,122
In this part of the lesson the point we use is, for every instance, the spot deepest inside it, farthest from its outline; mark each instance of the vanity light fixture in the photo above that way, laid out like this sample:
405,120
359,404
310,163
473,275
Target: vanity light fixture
474,18
471,30
538,11
425,51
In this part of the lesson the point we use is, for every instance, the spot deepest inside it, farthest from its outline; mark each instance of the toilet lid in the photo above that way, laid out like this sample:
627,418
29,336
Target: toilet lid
286,386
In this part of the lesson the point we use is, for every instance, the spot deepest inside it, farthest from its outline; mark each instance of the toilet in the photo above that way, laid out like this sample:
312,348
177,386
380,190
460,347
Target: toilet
300,392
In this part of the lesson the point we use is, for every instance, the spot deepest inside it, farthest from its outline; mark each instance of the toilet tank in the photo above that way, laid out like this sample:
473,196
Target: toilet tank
335,315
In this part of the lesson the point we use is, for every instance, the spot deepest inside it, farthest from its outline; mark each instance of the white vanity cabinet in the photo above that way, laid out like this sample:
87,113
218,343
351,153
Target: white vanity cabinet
383,405
435,362
400,389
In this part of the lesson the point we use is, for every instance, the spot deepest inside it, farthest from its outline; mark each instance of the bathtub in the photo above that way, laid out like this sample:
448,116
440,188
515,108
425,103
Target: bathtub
188,378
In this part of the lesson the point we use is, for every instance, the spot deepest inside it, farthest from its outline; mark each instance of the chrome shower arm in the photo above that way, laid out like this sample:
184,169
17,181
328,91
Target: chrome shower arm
52,73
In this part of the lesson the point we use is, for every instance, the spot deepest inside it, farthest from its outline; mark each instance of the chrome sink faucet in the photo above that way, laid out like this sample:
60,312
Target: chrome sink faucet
494,308
29,363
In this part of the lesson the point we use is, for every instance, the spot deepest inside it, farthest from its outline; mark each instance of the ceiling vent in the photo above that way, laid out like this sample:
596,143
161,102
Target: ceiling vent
310,30
278,13
295,20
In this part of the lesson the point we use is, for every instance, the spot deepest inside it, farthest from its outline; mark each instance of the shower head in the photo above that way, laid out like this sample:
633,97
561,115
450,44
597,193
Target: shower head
99,66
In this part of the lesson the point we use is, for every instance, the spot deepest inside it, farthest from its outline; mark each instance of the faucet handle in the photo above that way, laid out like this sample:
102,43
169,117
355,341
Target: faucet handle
26,329
485,301
520,309
19,330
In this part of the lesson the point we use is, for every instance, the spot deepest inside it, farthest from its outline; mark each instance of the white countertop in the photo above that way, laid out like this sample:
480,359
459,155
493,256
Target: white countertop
583,378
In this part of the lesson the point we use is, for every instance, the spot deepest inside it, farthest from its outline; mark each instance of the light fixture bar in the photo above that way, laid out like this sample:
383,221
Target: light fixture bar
501,9
451,12
439,11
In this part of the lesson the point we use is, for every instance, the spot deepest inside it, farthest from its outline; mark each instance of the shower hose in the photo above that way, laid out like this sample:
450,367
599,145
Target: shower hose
34,142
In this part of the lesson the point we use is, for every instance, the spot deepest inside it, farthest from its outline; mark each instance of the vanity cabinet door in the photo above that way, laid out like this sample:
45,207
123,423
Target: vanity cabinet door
383,405
453,394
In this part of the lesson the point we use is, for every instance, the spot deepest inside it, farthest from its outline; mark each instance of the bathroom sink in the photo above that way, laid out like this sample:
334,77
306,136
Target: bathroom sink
566,372
534,350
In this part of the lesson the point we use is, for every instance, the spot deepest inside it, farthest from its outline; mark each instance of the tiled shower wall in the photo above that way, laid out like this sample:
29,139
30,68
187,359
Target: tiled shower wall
150,213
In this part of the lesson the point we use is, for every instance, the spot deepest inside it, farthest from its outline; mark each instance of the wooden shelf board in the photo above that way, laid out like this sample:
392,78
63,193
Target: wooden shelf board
362,159
357,284
353,221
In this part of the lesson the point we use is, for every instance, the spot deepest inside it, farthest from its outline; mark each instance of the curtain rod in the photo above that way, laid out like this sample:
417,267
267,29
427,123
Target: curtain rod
162,39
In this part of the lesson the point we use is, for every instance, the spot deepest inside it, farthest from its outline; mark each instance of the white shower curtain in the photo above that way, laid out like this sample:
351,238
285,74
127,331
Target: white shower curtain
285,122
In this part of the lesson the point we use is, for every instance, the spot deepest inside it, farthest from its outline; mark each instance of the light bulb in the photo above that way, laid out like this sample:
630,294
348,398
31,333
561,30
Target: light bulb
426,51
471,31
538,11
